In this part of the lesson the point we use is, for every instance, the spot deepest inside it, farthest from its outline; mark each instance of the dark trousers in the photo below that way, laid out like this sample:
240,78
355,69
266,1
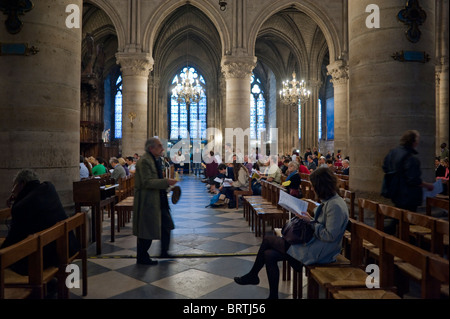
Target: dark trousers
143,245
272,250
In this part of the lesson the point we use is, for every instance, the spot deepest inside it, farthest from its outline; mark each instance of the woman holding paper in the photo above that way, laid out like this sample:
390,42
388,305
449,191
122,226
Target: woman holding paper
329,223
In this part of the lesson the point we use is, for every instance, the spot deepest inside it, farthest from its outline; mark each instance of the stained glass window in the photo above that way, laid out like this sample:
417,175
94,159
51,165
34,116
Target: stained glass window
118,109
257,109
189,120
320,119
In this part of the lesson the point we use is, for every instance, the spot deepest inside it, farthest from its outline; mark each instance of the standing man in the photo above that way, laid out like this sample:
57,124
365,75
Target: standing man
151,211
407,190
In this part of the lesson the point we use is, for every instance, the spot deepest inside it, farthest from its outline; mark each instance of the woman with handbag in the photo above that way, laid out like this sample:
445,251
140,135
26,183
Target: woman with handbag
329,224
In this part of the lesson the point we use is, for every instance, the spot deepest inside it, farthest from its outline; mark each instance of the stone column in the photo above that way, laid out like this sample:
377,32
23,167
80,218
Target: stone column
442,75
386,96
154,116
40,100
310,118
237,72
135,69
339,73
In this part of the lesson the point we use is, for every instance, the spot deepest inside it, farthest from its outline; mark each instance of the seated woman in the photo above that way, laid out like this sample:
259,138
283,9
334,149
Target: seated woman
329,223
293,180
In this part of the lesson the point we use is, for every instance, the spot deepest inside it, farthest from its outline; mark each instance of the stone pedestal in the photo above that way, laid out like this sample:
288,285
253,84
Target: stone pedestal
237,72
135,69
386,96
40,100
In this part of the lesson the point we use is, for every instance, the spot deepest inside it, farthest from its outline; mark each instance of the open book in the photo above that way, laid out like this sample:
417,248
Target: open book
226,182
292,204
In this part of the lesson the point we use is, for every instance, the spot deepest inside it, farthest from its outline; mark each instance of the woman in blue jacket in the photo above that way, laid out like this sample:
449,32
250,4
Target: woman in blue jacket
329,223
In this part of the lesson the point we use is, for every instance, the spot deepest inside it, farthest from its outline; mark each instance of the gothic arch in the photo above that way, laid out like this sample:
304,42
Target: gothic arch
313,11
115,18
164,11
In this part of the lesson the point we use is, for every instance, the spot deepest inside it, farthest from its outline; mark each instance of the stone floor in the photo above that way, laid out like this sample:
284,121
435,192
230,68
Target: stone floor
210,246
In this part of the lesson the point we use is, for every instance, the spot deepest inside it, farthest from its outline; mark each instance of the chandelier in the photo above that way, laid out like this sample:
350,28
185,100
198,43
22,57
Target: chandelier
293,91
189,89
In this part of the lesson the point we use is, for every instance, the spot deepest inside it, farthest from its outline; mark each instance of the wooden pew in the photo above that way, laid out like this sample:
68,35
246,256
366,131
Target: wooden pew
76,224
433,269
418,258
272,212
5,214
41,276
27,248
349,197
92,193
351,276
440,238
366,206
247,192
436,202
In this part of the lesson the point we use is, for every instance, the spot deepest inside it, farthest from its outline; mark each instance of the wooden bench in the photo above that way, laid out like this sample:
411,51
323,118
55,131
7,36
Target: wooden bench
436,202
38,277
27,248
77,225
349,275
92,193
247,192
41,276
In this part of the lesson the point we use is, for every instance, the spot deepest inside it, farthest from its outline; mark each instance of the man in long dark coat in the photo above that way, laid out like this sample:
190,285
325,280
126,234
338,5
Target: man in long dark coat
151,211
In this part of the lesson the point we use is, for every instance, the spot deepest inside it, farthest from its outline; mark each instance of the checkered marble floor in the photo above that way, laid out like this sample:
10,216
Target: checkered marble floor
210,246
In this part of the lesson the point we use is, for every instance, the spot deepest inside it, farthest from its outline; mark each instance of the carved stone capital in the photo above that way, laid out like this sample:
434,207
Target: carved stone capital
338,71
241,67
138,64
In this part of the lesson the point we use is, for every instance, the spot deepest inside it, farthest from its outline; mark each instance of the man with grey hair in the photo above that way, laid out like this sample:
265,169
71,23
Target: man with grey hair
119,171
35,206
151,211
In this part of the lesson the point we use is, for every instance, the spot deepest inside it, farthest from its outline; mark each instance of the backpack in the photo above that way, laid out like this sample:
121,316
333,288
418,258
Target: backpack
217,201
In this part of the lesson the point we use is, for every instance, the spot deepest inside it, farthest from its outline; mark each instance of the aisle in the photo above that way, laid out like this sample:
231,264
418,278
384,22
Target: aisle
210,247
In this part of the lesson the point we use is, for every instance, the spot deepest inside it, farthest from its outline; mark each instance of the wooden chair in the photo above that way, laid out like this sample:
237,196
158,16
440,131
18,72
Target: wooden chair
247,192
440,237
307,190
387,211
417,227
415,257
29,247
436,202
366,206
42,277
351,276
5,214
349,197
78,225
438,269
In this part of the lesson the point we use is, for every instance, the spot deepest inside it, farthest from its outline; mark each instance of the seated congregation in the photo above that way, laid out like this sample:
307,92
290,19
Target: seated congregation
360,249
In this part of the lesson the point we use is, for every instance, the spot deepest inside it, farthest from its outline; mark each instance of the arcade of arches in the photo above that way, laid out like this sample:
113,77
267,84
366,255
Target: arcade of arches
75,96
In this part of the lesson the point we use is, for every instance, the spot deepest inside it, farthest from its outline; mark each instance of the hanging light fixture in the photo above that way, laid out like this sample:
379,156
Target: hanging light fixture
293,91
188,90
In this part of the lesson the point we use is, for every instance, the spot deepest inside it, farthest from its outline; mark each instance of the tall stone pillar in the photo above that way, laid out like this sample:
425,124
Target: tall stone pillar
339,73
442,74
237,72
40,99
154,117
310,118
387,96
135,69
